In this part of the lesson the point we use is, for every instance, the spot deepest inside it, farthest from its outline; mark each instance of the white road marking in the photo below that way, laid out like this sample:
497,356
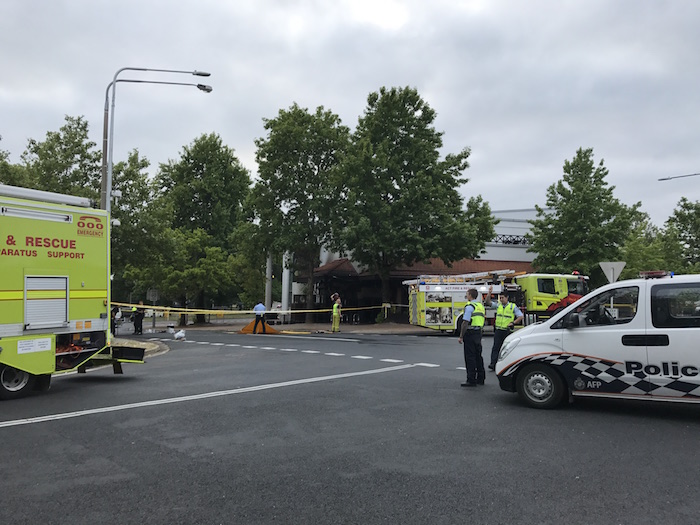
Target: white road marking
361,357
310,352
249,347
391,360
217,344
427,365
232,345
334,354
461,368
315,338
268,348
203,342
288,350
130,406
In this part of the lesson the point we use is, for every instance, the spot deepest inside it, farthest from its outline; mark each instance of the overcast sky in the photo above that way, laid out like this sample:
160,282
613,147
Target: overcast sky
524,84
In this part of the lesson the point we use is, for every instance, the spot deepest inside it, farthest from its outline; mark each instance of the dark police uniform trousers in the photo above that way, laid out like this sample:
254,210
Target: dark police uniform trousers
473,359
499,335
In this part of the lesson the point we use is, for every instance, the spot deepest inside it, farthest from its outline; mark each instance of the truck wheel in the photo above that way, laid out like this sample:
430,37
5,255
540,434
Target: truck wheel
14,383
540,386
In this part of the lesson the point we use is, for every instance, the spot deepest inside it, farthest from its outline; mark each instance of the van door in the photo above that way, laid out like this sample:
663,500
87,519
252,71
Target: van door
673,330
609,335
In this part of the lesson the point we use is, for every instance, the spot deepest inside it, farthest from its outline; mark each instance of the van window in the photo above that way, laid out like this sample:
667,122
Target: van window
675,305
546,286
617,306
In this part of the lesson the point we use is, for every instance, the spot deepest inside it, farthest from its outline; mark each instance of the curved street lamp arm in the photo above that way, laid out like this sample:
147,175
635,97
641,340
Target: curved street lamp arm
108,129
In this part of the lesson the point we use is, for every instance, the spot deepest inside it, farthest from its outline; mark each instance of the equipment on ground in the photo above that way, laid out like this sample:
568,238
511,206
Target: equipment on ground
54,291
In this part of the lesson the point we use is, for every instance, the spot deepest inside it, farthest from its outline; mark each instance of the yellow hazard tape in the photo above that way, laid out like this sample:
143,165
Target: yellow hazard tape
194,311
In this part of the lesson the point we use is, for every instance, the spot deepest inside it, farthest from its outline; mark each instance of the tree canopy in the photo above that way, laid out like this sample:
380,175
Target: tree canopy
295,198
401,203
205,189
65,162
583,223
685,223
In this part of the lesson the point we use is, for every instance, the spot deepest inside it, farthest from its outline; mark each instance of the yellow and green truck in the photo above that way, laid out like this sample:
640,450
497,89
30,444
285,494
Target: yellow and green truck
54,290
438,301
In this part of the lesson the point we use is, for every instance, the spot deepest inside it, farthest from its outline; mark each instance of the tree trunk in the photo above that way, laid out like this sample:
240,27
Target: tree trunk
183,316
386,288
310,303
200,318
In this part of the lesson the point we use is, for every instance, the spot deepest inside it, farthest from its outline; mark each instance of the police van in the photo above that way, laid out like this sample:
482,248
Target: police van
634,339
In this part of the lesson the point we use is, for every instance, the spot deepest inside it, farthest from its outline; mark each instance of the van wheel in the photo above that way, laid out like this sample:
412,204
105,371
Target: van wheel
540,386
14,383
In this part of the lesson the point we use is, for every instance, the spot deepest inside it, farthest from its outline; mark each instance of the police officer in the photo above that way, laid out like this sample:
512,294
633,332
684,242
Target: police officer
137,315
259,310
507,316
470,334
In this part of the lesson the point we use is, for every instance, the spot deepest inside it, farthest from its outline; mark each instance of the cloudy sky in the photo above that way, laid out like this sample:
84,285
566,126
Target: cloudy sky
524,84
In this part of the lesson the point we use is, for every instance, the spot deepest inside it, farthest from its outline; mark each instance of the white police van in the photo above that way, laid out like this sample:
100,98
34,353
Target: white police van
635,339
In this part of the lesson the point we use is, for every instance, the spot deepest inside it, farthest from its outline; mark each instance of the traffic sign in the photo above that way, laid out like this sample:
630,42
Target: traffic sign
612,270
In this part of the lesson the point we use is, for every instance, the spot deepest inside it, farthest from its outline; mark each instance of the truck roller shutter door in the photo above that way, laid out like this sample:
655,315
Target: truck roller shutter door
46,302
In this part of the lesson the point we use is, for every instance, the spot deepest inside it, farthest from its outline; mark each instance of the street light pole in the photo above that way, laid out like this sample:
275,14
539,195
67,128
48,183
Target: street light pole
680,176
108,136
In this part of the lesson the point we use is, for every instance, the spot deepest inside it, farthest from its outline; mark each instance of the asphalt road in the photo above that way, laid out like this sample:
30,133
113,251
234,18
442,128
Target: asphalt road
228,428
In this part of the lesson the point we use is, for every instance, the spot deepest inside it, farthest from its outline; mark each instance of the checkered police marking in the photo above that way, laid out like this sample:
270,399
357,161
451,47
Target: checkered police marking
592,374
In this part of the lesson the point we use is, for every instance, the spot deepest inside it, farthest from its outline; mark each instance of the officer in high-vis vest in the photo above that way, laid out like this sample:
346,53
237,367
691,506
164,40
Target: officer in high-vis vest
507,316
335,325
470,334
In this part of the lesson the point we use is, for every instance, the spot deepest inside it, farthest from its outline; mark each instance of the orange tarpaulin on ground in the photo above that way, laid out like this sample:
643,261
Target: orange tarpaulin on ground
248,329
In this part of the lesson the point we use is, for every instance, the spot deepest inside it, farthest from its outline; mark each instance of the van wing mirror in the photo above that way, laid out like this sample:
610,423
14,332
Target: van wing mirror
572,320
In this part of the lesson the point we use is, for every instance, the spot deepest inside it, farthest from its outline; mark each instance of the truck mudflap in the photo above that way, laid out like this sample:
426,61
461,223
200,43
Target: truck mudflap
115,356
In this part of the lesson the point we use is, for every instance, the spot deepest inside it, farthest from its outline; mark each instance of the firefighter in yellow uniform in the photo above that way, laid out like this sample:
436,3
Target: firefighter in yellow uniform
470,334
335,326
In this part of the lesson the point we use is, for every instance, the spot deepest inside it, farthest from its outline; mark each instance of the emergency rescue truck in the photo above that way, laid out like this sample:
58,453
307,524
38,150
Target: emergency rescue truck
634,339
438,301
54,290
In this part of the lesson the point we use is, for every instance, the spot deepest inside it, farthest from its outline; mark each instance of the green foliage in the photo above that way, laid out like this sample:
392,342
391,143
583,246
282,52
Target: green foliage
205,189
643,250
401,201
685,225
294,200
190,266
586,224
12,174
66,162
137,239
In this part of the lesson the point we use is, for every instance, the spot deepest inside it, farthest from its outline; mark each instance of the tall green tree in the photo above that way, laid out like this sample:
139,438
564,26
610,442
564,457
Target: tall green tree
295,197
65,162
206,188
190,269
401,204
204,191
584,225
138,238
685,224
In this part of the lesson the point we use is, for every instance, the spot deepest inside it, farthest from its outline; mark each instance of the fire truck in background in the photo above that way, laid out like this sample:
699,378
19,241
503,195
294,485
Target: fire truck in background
541,295
54,291
438,301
